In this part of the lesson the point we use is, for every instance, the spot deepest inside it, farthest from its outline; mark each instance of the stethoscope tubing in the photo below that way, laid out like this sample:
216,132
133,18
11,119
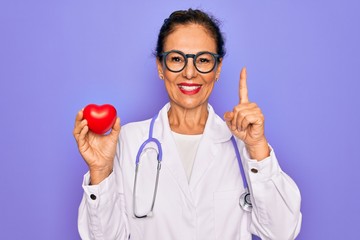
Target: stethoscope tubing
245,198
237,152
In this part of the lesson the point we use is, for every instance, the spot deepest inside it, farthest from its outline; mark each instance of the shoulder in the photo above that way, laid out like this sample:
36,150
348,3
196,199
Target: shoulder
136,125
135,129
216,127
140,129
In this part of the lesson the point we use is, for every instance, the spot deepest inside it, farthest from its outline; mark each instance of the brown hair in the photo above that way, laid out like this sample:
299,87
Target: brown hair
183,17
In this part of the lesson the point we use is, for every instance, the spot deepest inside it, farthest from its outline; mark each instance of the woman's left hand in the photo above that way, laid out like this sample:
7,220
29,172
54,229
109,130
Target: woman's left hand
246,122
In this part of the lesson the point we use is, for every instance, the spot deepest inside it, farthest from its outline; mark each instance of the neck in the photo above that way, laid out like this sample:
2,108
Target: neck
188,121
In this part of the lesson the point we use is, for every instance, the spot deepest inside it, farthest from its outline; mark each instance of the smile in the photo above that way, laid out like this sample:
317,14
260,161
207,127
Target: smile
189,89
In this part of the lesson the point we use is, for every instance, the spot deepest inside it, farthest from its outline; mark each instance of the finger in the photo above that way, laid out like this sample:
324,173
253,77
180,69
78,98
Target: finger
243,90
228,117
253,120
241,115
116,128
78,128
244,110
83,144
234,120
246,121
240,111
251,106
79,117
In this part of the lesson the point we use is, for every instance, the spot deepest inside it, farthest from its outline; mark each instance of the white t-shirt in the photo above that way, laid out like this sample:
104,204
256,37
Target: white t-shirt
187,146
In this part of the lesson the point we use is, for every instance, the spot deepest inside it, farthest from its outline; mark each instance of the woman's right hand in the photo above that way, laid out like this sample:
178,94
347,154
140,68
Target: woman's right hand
98,151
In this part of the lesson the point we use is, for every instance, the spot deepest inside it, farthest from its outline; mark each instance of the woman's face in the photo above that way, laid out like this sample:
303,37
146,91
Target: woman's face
189,88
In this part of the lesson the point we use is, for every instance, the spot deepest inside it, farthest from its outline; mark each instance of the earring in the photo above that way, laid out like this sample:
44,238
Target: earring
161,76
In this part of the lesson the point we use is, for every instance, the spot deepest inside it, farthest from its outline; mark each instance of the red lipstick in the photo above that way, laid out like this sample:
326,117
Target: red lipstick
189,88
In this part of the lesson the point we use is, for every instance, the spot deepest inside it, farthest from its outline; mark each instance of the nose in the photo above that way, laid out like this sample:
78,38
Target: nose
190,71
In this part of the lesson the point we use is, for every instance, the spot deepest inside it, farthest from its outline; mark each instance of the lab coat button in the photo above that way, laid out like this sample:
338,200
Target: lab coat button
93,197
254,170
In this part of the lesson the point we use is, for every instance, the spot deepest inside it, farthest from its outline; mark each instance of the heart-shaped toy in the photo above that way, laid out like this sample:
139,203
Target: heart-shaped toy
100,118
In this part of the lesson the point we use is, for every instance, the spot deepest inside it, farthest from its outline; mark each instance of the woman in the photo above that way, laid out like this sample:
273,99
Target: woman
199,185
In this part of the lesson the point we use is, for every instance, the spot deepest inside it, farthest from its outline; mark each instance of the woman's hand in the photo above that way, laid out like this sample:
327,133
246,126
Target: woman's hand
98,151
246,122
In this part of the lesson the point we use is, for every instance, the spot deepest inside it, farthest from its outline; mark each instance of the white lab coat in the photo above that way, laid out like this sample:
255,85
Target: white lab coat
205,208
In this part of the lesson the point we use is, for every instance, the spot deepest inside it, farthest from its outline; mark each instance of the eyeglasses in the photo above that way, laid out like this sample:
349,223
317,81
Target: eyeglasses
176,61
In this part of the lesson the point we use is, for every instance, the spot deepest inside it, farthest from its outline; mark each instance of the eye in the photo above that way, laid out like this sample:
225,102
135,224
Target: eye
176,59
204,60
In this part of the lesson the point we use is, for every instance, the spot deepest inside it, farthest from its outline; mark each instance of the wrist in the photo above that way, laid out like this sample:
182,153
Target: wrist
259,151
98,175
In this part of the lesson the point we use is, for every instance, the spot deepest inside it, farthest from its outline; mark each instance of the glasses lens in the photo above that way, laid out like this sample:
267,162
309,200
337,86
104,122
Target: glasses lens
205,62
175,61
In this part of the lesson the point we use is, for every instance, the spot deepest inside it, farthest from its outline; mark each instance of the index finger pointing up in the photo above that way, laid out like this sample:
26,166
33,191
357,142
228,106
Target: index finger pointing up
243,91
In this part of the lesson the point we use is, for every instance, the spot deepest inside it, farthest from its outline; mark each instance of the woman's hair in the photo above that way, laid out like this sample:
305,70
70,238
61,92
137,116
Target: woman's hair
184,17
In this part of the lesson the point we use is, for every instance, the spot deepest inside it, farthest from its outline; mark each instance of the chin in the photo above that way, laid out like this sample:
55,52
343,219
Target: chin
189,104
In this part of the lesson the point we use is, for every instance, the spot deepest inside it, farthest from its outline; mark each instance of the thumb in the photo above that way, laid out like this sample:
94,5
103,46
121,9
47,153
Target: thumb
116,128
228,116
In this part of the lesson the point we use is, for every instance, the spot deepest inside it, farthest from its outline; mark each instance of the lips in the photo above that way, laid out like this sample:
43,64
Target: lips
189,88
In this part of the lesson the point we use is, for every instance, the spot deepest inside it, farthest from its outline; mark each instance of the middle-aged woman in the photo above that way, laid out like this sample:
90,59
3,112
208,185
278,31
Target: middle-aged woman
197,192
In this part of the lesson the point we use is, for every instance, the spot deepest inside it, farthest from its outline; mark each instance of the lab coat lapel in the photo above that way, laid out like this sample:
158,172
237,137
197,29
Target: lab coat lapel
171,158
215,132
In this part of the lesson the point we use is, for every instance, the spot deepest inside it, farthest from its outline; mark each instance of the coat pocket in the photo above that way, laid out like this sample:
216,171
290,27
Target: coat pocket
231,222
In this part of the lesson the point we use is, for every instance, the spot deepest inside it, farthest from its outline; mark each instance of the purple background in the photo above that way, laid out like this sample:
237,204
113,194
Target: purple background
57,56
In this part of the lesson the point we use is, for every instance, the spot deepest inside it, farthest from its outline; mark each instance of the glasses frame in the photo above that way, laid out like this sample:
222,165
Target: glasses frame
193,56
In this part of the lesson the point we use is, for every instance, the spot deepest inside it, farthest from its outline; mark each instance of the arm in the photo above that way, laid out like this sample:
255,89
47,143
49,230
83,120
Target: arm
102,212
276,198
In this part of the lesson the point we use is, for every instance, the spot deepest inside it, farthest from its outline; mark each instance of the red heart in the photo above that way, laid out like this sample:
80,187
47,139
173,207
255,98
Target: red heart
100,118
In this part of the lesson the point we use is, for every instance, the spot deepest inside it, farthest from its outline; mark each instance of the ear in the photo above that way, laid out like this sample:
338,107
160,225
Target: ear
160,68
218,69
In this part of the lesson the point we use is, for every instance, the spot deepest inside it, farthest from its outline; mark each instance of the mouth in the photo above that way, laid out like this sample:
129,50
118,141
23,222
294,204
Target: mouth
189,88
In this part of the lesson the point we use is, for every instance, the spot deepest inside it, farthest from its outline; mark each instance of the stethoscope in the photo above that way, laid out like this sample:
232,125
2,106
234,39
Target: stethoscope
245,198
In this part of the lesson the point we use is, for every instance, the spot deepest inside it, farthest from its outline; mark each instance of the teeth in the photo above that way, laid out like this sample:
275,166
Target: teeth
189,88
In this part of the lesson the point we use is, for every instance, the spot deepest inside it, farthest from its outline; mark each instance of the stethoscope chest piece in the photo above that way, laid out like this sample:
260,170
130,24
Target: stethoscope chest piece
245,201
